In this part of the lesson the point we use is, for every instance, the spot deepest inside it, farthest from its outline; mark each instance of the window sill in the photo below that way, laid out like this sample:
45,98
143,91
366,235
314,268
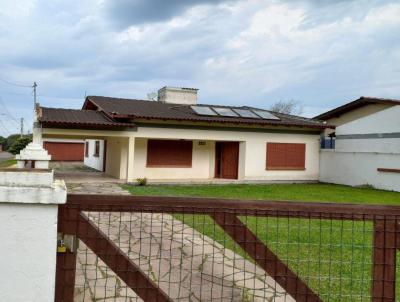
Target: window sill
285,169
168,166
388,170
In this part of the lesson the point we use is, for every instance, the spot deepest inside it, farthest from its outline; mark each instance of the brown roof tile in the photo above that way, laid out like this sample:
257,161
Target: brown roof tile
76,117
131,108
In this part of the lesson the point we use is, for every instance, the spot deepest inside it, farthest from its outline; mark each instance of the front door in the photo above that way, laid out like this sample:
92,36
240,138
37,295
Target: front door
226,160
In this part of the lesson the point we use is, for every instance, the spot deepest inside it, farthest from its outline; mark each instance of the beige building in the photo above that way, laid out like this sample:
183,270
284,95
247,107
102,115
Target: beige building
175,139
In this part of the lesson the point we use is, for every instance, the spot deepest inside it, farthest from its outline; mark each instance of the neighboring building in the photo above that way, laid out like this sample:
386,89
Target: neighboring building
175,139
64,149
95,154
367,144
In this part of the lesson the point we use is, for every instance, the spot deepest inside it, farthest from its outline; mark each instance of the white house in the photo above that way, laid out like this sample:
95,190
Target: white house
367,144
176,139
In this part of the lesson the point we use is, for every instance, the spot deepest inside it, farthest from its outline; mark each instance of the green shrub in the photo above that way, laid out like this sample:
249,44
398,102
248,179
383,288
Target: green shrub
141,181
19,144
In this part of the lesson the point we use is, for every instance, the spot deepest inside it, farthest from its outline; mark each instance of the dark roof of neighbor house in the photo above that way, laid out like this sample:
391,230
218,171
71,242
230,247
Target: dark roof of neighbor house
76,117
118,108
360,102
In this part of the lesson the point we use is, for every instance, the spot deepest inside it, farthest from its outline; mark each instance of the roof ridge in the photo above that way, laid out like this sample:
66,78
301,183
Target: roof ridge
72,109
118,98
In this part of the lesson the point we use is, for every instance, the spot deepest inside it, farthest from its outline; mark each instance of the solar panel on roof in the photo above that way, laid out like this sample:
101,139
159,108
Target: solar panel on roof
225,111
266,115
203,110
246,113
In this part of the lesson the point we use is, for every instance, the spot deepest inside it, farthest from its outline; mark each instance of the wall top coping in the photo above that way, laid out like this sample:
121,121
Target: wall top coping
26,178
31,186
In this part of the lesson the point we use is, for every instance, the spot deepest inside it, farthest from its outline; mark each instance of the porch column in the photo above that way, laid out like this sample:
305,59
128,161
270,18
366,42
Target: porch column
131,159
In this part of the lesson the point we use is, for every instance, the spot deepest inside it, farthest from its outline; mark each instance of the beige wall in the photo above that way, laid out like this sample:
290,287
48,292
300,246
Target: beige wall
202,163
252,153
116,157
252,158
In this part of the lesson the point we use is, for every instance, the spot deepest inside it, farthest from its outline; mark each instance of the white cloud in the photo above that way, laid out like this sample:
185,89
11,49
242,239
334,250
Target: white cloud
250,52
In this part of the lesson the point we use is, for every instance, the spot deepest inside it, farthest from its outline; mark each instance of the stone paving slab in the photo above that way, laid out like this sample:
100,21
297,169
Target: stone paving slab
186,264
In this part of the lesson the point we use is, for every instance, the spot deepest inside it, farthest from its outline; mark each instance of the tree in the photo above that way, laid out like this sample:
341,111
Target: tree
3,140
287,107
19,144
12,138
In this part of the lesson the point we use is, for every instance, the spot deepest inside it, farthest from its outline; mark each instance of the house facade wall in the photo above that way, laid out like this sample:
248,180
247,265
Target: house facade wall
363,145
378,132
95,162
130,146
252,154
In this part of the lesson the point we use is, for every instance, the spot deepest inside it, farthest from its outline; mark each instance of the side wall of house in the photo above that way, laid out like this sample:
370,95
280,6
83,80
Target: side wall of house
252,154
364,145
92,161
378,132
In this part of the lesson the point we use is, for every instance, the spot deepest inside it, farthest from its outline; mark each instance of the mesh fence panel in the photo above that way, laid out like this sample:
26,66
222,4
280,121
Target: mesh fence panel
192,254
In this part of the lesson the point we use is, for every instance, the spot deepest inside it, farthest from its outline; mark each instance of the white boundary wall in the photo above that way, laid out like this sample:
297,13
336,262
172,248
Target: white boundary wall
28,234
360,168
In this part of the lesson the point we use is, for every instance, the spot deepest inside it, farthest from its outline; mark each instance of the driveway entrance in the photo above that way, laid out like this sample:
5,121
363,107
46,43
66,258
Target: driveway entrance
78,173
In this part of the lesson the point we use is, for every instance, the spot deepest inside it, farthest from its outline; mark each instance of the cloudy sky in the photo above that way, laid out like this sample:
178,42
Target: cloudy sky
320,53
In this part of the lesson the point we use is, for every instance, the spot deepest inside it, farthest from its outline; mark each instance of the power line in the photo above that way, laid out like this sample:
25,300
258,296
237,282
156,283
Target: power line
6,112
15,84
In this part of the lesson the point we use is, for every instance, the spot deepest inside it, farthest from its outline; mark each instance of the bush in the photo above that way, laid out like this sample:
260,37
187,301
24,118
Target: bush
19,144
10,140
141,181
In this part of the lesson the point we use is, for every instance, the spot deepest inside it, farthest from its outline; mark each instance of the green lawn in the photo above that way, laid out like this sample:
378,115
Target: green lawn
8,163
333,257
301,192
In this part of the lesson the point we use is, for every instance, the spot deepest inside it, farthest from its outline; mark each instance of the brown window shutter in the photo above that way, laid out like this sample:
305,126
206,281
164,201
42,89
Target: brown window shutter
286,156
169,153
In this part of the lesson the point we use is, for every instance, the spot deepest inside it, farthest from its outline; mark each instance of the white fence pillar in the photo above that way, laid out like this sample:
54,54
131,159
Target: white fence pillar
29,201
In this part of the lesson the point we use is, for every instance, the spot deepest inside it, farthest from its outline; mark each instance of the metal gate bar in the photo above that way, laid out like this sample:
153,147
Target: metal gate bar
225,213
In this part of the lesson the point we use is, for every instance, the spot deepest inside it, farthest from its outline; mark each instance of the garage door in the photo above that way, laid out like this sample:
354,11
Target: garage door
65,151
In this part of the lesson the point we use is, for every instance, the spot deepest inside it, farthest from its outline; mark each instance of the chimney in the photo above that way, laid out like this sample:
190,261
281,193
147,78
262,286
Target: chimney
176,95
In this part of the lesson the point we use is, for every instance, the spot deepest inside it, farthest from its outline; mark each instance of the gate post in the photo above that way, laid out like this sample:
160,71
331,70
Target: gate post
384,260
29,200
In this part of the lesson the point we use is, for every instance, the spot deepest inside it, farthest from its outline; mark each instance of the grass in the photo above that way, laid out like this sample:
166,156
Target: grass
333,257
300,192
8,163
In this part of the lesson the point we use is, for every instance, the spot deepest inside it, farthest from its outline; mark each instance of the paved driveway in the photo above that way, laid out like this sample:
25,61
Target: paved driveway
5,155
187,265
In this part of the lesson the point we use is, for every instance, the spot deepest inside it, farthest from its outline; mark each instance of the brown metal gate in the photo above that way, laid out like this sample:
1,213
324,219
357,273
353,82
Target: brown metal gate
268,237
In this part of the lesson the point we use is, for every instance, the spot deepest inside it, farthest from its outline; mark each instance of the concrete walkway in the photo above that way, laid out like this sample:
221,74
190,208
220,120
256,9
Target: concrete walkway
187,265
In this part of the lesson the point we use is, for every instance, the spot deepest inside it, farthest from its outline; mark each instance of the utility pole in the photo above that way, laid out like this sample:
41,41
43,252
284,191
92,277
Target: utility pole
34,95
22,126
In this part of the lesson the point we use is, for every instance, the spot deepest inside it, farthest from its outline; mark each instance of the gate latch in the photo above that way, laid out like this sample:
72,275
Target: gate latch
66,242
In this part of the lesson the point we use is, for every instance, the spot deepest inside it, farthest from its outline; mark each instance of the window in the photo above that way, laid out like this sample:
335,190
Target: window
86,149
284,156
169,153
96,148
